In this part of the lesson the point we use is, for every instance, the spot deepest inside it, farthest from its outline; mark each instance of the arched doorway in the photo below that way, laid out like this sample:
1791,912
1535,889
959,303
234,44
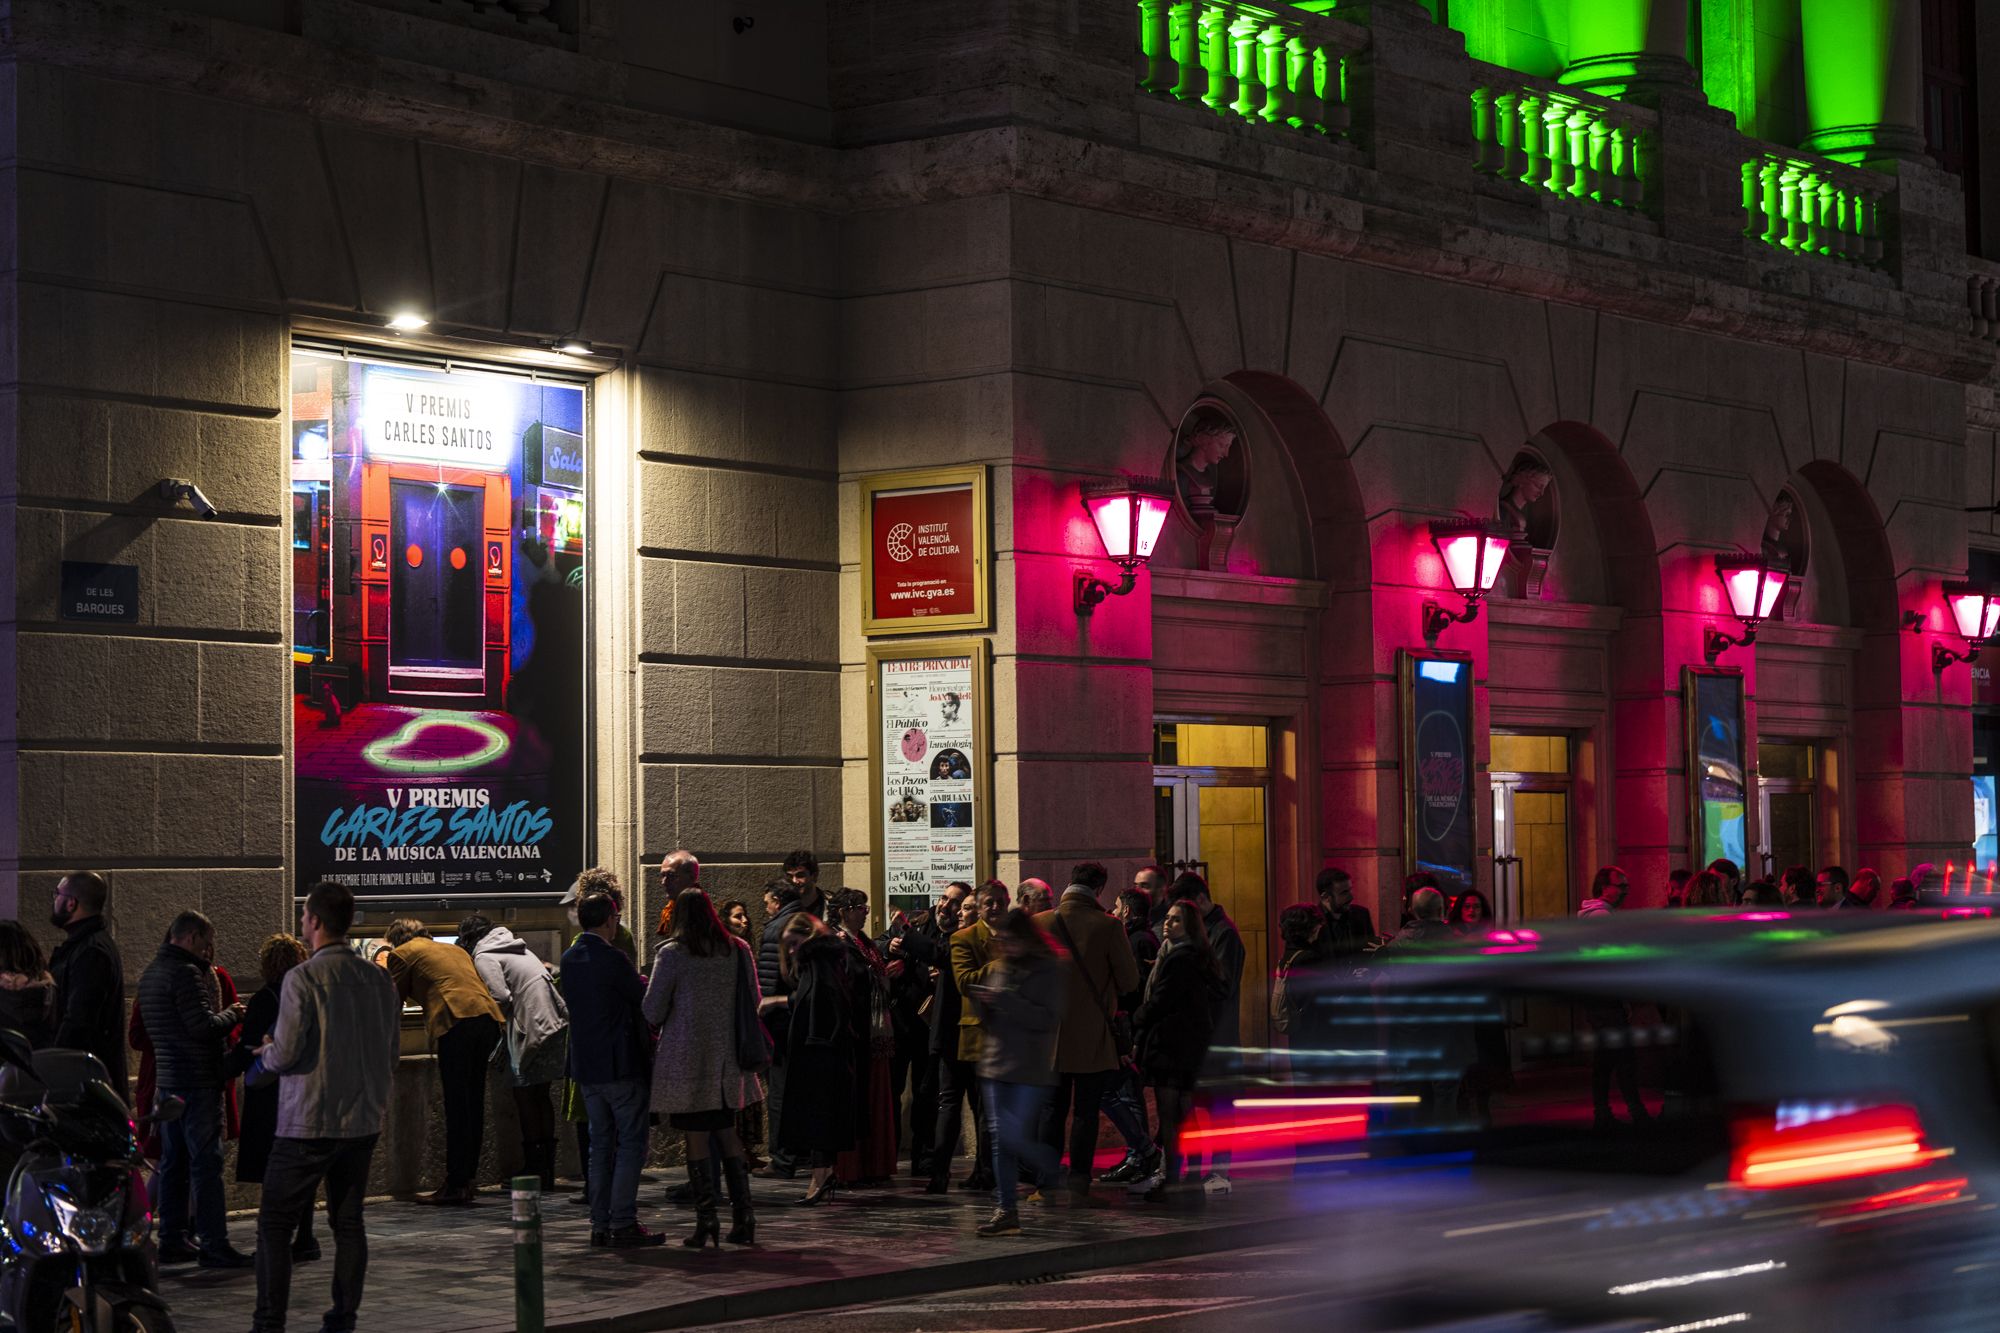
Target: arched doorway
1574,654
1263,674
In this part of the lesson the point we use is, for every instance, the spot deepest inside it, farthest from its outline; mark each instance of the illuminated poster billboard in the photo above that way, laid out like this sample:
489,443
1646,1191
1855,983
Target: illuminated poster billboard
437,626
1441,818
1718,797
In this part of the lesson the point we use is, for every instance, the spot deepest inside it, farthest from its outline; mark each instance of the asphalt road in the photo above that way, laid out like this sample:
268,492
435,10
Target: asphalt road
1262,1290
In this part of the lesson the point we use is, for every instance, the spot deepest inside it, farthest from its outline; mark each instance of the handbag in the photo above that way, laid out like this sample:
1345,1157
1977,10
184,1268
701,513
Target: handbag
753,1043
1117,1020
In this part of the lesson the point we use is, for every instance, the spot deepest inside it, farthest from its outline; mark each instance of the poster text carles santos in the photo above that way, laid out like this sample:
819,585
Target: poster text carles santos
437,626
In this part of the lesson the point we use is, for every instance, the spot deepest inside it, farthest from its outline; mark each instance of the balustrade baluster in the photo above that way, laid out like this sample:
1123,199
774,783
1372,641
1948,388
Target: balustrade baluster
1534,140
1249,86
1274,68
1507,134
1810,183
1555,146
1871,228
1485,138
1833,218
1774,217
1157,72
1217,57
1581,171
1302,57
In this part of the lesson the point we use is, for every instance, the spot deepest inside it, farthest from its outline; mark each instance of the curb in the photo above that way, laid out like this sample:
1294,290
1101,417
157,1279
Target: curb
995,1268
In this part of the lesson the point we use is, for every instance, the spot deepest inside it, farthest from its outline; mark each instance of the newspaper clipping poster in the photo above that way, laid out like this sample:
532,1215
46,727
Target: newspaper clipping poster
929,833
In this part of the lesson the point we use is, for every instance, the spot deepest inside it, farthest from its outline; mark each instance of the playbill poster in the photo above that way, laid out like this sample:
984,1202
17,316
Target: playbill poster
929,753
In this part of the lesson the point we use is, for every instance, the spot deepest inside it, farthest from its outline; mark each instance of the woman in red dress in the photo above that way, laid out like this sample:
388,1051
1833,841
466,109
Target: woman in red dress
873,1159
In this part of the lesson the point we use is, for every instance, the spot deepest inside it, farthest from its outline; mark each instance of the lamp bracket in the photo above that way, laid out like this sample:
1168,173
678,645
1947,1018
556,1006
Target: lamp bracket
1942,657
1437,620
1714,643
1090,590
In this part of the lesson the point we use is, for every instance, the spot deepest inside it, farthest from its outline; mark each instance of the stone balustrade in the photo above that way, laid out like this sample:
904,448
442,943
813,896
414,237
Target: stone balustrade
1574,144
1982,297
1812,206
1267,64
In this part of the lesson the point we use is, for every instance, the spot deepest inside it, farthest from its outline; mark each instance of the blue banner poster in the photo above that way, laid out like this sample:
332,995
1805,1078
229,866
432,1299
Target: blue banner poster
1443,820
437,626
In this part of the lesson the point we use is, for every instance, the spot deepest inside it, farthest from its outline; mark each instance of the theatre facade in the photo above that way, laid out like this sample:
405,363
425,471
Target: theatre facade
963,440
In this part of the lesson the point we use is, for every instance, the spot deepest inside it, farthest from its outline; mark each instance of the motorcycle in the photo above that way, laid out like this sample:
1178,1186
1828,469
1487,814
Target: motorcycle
76,1233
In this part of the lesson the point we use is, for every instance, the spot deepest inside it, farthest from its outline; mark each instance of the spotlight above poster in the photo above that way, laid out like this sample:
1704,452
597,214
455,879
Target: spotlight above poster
926,567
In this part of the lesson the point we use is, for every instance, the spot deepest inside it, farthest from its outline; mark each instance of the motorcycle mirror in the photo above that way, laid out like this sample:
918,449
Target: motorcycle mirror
15,1050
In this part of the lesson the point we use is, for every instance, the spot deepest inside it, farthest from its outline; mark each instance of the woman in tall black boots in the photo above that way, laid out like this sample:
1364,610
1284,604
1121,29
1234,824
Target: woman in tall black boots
698,1082
817,1116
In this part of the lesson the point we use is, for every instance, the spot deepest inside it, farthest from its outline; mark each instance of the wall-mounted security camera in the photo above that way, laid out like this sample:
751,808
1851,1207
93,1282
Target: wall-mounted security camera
742,23
174,491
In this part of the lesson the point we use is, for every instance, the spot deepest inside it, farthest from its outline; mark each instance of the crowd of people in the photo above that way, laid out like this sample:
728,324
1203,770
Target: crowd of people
838,1052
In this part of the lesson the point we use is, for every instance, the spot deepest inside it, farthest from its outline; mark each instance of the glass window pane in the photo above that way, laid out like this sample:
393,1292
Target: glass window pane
1215,745
1789,761
1530,752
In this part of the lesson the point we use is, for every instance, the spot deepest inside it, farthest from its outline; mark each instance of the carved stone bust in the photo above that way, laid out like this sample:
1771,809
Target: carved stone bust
1212,477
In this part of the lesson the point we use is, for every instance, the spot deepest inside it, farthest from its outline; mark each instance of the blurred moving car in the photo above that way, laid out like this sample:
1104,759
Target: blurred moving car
1655,1121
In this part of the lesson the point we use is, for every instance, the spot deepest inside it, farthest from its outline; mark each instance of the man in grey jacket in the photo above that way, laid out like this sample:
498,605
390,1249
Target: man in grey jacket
334,1053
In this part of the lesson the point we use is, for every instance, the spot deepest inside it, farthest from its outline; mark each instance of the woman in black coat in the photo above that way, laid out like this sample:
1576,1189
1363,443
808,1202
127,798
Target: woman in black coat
817,1117
27,991
1172,1026
280,954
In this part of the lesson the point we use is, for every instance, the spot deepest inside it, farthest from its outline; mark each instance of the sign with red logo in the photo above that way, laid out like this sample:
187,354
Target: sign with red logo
925,568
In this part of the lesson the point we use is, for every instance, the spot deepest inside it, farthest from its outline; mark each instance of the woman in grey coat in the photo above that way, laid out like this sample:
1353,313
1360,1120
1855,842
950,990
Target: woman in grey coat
698,1085
535,1050
1023,1002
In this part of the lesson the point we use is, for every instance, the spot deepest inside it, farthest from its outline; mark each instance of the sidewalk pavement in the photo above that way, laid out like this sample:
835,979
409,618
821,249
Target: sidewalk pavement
436,1270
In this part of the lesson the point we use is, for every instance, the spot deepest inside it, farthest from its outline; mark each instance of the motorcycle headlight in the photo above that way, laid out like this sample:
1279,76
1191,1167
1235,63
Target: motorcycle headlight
94,1230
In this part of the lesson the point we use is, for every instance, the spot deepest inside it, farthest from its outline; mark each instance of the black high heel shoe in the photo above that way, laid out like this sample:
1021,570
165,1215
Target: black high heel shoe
818,1196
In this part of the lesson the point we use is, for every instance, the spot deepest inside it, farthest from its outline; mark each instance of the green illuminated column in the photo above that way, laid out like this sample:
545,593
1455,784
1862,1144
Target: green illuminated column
1864,79
1622,48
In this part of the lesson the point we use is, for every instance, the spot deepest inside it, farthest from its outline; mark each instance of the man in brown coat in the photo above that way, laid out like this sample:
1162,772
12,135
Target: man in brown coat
1086,1049
463,1024
973,959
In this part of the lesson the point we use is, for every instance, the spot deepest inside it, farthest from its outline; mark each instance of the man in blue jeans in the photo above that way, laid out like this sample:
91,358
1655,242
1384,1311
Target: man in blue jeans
333,1051
608,1061
180,1002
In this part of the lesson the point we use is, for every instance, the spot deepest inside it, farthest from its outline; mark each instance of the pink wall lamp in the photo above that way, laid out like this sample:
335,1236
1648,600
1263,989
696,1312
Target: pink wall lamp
1472,550
1128,515
1753,586
1975,613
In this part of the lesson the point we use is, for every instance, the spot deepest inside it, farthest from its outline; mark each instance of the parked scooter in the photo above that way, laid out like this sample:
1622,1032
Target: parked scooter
76,1233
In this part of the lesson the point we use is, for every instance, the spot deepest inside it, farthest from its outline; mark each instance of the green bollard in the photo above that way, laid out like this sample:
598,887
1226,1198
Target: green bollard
527,1223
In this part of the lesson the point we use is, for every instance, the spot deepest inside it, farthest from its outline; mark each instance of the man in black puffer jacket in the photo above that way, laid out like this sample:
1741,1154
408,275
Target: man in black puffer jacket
181,1005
